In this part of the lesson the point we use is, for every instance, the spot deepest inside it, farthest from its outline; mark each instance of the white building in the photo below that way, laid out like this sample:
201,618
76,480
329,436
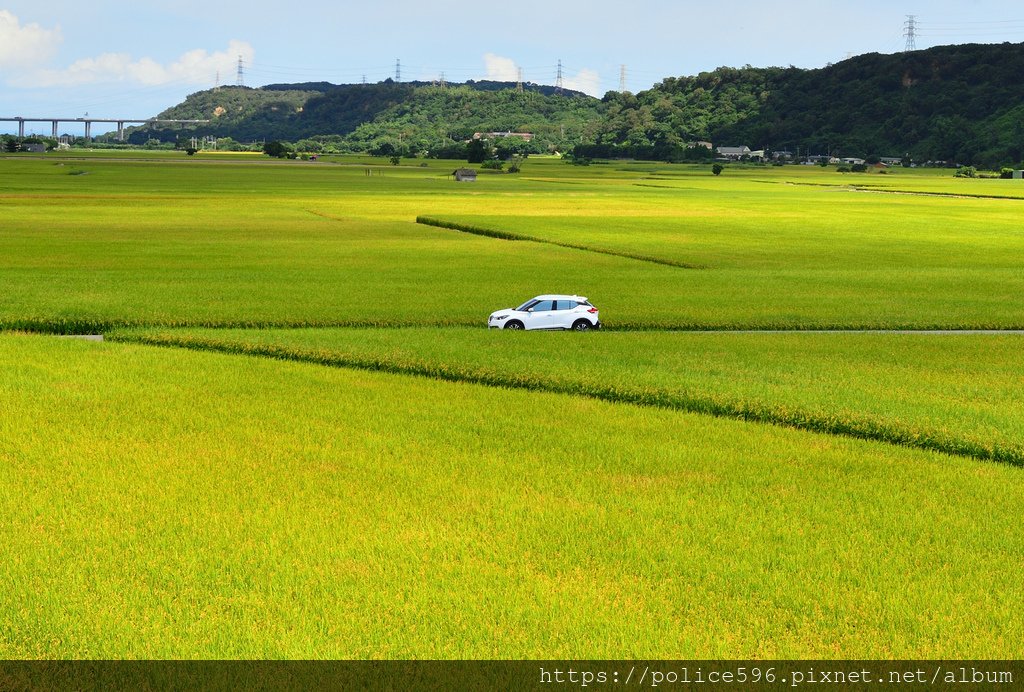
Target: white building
734,152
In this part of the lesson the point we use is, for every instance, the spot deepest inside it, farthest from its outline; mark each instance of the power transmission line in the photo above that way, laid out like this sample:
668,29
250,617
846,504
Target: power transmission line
994,29
240,78
993,21
398,70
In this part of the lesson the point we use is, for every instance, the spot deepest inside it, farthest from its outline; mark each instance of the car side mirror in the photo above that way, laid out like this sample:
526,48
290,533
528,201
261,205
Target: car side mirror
529,309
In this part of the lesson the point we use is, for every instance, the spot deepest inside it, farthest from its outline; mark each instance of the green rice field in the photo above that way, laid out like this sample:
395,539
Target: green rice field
299,440
322,244
960,393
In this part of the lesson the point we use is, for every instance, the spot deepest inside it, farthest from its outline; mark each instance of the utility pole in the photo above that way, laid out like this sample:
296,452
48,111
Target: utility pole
398,70
622,79
558,79
240,77
910,31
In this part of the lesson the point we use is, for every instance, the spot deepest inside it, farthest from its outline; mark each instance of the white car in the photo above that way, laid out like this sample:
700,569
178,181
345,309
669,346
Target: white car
548,312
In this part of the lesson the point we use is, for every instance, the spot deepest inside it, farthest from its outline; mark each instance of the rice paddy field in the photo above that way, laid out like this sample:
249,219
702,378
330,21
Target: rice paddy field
299,440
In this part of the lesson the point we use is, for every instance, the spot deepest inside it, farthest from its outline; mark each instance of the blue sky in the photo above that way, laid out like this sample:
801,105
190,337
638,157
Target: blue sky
122,59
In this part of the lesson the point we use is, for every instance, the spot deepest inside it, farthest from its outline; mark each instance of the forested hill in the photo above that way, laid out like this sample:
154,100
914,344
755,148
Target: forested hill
417,116
952,103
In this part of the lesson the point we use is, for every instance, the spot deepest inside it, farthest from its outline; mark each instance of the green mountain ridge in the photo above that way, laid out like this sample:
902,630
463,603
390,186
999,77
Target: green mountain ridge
414,117
962,103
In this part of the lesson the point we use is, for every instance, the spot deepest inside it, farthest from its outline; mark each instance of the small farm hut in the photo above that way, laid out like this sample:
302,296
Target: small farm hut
464,175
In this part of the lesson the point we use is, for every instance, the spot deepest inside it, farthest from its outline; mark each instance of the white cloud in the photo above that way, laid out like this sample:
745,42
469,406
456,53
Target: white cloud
25,45
194,67
587,81
500,69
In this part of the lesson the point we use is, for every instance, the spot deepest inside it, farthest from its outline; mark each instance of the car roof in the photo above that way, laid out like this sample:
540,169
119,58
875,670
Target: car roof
558,296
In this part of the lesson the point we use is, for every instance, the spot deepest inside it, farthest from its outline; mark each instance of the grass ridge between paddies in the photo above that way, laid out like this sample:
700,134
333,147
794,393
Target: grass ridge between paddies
959,394
505,235
164,503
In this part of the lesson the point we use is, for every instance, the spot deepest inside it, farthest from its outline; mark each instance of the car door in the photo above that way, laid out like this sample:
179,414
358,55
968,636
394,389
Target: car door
541,315
563,315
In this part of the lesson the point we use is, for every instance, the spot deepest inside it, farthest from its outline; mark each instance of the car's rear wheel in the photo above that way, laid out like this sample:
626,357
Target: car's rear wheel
581,326
515,325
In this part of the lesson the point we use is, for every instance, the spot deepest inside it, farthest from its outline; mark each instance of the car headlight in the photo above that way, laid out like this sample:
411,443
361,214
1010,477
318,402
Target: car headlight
499,318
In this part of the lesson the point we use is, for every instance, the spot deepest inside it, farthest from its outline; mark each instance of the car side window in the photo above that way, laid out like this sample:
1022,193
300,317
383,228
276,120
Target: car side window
543,306
565,304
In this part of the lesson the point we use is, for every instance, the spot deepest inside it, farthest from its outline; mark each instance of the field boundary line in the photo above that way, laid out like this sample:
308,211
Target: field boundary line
674,188
87,325
854,187
808,421
323,215
922,332
506,235
98,326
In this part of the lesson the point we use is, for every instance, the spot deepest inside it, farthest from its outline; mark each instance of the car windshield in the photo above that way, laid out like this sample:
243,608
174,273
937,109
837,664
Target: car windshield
527,305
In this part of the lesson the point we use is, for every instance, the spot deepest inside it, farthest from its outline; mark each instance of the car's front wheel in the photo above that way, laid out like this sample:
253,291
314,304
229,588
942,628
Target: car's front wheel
581,326
514,325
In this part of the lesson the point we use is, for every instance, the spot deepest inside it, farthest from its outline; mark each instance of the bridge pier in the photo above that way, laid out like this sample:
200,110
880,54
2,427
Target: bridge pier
55,128
88,130
120,130
21,129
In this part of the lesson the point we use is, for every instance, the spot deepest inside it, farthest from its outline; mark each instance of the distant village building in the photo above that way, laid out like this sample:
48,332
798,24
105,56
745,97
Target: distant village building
527,136
735,153
892,160
706,145
464,175
34,147
852,160
741,153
